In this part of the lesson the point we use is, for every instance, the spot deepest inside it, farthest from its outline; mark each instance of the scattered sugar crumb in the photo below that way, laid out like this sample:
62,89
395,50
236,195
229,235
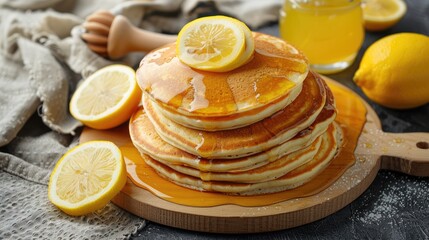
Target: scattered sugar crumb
383,205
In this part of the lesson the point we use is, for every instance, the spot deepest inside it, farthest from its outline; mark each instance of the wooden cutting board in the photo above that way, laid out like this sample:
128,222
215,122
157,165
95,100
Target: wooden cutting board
375,150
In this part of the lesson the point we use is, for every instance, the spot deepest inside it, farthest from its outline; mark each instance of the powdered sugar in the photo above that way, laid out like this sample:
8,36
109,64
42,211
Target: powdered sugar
397,194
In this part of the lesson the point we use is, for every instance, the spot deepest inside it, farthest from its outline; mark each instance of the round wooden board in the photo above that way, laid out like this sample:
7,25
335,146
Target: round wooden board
372,144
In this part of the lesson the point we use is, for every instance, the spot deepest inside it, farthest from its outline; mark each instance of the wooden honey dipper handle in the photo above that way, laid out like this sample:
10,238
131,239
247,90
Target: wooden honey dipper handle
124,38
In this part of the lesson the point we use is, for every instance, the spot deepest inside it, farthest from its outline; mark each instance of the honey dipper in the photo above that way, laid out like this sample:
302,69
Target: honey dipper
114,36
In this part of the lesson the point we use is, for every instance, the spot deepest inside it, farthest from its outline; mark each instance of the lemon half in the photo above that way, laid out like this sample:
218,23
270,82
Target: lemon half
107,98
382,14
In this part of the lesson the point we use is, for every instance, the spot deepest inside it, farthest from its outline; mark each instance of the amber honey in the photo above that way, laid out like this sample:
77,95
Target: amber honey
351,117
266,78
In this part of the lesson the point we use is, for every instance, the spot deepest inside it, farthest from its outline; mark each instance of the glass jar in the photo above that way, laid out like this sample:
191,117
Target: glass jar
329,32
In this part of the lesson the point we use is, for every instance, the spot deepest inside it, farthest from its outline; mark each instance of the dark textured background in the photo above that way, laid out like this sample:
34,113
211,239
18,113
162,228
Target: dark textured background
395,206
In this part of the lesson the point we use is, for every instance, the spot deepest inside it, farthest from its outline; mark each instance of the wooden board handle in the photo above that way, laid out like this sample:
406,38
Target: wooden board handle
405,152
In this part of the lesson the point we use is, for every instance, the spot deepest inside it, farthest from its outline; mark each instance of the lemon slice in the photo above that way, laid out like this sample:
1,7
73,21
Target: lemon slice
87,177
212,43
248,49
382,14
107,98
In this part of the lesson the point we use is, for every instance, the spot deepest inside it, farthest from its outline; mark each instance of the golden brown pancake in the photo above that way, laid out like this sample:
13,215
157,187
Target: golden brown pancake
231,121
268,82
300,175
252,139
147,141
270,171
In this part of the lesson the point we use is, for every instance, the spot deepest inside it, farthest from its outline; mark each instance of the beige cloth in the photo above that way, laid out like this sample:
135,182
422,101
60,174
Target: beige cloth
42,58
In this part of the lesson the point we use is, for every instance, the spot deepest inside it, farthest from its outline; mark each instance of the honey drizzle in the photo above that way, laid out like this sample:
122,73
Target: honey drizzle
351,117
269,76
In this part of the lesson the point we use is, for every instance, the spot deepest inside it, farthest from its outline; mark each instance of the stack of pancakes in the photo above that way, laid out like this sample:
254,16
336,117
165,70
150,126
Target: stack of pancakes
264,127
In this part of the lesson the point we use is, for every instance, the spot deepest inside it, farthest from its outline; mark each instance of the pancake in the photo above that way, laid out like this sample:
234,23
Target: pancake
147,141
252,139
273,77
300,175
231,121
267,172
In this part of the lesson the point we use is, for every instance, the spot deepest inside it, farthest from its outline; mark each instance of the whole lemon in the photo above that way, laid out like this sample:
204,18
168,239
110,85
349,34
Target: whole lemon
394,71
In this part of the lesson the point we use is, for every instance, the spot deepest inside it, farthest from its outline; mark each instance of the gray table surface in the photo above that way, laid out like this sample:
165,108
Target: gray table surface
395,206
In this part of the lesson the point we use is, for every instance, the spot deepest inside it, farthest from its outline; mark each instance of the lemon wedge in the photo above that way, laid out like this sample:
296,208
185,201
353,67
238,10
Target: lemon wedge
381,14
87,177
215,43
107,98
